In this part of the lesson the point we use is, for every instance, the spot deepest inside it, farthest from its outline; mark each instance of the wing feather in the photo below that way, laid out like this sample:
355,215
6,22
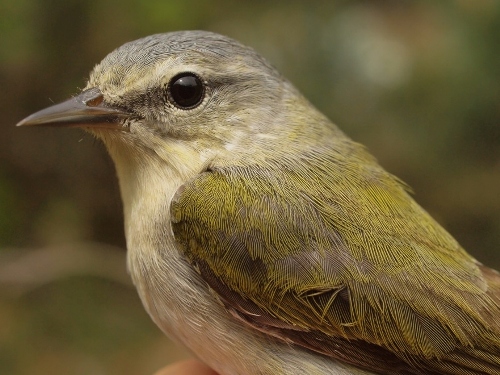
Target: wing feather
339,259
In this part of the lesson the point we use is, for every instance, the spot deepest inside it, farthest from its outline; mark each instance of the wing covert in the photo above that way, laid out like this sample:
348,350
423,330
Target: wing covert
286,254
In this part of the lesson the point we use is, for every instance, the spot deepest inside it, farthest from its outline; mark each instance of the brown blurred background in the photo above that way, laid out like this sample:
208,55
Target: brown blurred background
418,82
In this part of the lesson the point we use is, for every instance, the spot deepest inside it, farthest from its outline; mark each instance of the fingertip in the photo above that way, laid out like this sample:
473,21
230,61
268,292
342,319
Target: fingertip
188,367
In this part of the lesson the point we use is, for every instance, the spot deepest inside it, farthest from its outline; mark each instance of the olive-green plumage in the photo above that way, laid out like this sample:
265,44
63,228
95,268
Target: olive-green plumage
289,243
262,237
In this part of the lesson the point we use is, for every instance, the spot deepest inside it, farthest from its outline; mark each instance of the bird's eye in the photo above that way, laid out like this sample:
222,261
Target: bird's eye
186,90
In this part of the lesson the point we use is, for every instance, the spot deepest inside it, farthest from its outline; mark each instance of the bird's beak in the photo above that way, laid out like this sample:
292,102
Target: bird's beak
85,110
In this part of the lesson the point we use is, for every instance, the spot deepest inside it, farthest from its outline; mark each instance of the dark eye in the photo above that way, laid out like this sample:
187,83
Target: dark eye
186,90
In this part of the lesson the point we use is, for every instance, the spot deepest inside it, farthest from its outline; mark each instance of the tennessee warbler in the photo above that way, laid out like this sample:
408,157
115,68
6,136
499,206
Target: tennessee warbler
262,237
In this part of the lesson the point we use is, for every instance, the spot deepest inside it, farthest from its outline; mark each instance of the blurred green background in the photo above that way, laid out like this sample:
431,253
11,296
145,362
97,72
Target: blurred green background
418,82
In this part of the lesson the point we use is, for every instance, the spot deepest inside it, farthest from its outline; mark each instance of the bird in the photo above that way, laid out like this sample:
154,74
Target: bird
264,239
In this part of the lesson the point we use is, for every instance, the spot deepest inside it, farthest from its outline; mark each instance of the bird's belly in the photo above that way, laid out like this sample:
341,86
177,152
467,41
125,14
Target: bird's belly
180,303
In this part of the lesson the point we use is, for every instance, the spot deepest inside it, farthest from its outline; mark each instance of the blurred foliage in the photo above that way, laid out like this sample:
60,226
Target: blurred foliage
417,82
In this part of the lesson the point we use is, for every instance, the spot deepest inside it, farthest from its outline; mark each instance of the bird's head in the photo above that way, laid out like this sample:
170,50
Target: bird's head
189,97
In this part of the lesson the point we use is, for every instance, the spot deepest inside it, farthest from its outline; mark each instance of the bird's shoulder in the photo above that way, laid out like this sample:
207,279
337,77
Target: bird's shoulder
336,256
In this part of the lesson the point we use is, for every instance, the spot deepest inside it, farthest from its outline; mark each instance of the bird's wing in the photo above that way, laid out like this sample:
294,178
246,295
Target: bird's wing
340,259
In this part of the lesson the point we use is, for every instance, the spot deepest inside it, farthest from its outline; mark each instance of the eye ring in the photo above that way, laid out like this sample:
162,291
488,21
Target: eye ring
186,90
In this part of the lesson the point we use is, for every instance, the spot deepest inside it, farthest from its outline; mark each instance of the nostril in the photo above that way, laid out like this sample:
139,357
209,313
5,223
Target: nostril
94,102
